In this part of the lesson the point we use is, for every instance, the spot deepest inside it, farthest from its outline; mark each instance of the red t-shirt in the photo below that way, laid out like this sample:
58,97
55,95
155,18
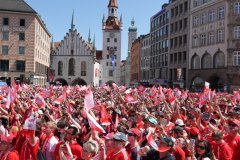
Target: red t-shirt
234,143
27,151
75,148
10,155
222,151
179,153
121,155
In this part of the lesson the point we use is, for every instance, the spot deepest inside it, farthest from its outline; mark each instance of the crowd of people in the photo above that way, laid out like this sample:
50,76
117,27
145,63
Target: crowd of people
117,123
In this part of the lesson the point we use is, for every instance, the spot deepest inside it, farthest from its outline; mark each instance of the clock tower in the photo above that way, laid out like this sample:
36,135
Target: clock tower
111,56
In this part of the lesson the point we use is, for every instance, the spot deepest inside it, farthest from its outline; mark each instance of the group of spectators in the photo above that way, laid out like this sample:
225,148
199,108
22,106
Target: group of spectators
153,124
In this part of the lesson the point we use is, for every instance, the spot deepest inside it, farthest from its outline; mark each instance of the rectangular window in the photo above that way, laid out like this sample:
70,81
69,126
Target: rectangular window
236,58
22,36
5,50
20,66
203,39
22,50
237,8
220,36
22,23
236,32
221,12
195,3
110,73
5,36
4,65
211,38
115,48
108,39
115,40
204,18
108,56
5,21
195,21
106,63
194,41
211,16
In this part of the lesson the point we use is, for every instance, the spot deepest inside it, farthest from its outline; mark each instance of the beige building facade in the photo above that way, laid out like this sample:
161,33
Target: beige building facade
214,50
24,44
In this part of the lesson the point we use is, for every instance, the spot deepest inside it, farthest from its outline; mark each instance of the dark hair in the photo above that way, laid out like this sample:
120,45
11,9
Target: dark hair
75,130
208,150
62,124
4,122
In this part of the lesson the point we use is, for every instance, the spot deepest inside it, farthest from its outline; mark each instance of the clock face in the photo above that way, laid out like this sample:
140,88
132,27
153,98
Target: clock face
112,35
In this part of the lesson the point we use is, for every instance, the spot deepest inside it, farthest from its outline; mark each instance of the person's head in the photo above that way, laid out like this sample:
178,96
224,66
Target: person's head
217,136
177,132
134,135
181,142
50,127
90,149
165,144
71,133
62,125
119,141
179,122
234,126
203,149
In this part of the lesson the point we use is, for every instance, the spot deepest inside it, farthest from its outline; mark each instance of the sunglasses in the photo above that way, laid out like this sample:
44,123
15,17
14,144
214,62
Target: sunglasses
201,147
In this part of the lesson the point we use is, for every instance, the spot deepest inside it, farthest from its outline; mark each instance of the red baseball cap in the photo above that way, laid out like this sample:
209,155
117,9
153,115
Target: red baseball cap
193,130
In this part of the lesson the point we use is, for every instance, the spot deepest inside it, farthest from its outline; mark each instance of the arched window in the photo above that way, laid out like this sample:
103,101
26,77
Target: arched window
83,68
219,60
206,61
195,63
112,10
71,67
60,67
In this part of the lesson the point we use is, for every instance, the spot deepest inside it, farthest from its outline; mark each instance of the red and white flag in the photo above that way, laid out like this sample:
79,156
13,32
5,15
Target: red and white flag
10,97
130,99
94,124
171,98
89,101
153,92
154,145
29,126
60,99
104,116
39,100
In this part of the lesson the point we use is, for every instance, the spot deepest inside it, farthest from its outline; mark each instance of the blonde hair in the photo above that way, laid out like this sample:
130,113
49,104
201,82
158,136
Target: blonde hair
52,125
91,146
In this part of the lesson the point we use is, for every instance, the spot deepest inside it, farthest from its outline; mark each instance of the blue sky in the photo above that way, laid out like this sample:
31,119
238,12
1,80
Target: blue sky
57,15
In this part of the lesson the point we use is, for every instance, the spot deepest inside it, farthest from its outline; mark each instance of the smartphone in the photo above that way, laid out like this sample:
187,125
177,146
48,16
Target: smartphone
192,144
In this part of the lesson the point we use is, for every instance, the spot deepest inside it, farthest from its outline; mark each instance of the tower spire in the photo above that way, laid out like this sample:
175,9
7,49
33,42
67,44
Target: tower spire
133,22
89,36
113,3
72,23
94,41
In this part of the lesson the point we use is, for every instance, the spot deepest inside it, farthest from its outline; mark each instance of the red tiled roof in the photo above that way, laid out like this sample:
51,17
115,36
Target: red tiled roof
56,44
113,3
112,23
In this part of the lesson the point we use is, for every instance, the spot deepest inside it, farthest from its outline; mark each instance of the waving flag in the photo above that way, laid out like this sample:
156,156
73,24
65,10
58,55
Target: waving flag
10,97
171,98
153,92
94,124
29,126
39,100
104,116
89,101
60,99
130,99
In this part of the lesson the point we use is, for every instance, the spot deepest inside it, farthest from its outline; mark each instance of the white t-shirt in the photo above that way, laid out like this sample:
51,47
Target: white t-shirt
50,147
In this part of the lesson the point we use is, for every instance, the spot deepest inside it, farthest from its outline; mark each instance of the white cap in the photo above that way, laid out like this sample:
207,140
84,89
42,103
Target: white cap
179,122
40,111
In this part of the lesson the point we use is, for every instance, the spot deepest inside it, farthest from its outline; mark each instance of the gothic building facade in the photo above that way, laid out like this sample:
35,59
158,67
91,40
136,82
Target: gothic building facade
73,60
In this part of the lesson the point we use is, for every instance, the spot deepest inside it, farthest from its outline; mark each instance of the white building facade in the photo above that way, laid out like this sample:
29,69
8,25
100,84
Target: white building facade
74,61
111,51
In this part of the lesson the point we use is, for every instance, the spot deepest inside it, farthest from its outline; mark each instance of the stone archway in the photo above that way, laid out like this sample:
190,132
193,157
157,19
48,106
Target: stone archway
61,81
197,84
216,83
79,81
